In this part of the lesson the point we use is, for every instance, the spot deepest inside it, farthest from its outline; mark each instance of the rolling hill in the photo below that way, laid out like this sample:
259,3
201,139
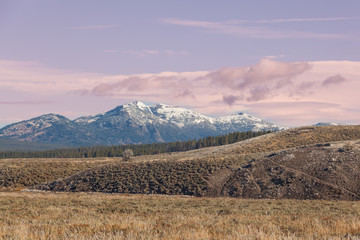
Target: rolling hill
304,163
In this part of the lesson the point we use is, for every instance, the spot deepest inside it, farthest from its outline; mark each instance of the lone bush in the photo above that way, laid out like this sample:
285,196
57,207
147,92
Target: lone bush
127,154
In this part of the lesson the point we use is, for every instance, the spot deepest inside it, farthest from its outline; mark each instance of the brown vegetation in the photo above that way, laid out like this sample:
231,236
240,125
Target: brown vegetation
160,177
261,171
26,215
17,174
322,171
296,137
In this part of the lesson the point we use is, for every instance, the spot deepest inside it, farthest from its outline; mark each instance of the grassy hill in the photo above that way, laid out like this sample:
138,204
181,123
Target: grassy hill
296,163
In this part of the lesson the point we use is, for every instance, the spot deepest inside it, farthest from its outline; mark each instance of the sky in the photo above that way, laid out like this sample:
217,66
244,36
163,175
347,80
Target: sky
294,63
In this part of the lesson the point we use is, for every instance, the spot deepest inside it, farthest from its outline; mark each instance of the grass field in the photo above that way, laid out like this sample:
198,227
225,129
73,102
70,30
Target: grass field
26,215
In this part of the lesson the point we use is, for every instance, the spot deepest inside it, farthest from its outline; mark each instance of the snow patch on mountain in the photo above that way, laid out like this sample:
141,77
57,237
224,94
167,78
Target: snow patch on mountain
179,116
33,128
88,119
237,117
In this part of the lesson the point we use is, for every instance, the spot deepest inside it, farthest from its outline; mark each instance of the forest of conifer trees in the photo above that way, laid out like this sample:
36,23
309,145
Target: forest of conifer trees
140,149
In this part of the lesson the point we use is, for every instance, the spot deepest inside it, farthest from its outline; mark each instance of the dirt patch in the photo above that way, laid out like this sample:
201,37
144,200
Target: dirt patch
217,181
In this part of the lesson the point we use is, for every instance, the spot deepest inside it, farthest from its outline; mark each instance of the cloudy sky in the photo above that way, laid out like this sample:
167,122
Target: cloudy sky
290,62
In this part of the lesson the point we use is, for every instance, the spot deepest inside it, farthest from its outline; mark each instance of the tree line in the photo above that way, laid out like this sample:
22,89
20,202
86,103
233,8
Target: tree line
140,149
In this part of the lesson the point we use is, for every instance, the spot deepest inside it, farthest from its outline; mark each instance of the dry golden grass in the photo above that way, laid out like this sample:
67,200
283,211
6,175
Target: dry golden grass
25,215
296,137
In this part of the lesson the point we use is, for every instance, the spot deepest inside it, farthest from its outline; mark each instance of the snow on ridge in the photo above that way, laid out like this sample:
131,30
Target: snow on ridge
182,117
138,104
237,117
25,127
139,112
35,125
179,116
88,119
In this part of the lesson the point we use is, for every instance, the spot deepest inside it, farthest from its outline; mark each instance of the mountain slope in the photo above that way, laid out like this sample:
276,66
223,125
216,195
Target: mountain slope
131,123
8,144
49,129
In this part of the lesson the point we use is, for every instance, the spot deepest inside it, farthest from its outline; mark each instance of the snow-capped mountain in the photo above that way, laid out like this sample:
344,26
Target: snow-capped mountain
243,121
131,123
181,117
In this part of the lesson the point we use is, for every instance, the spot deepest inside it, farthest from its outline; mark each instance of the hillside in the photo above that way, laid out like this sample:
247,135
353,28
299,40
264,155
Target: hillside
17,174
322,171
303,163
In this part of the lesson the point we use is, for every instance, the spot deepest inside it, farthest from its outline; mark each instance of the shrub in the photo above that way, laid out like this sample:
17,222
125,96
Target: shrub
127,154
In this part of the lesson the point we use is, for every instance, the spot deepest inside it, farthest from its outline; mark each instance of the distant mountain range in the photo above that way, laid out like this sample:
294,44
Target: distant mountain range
132,123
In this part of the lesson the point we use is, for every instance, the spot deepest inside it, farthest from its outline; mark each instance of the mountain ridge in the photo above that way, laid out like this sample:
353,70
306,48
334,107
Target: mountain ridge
131,123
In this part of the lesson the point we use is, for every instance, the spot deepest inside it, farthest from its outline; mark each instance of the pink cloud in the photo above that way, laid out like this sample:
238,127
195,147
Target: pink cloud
333,80
34,77
186,93
286,93
230,99
268,70
265,71
259,93
260,81
304,113
266,81
152,87
24,102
